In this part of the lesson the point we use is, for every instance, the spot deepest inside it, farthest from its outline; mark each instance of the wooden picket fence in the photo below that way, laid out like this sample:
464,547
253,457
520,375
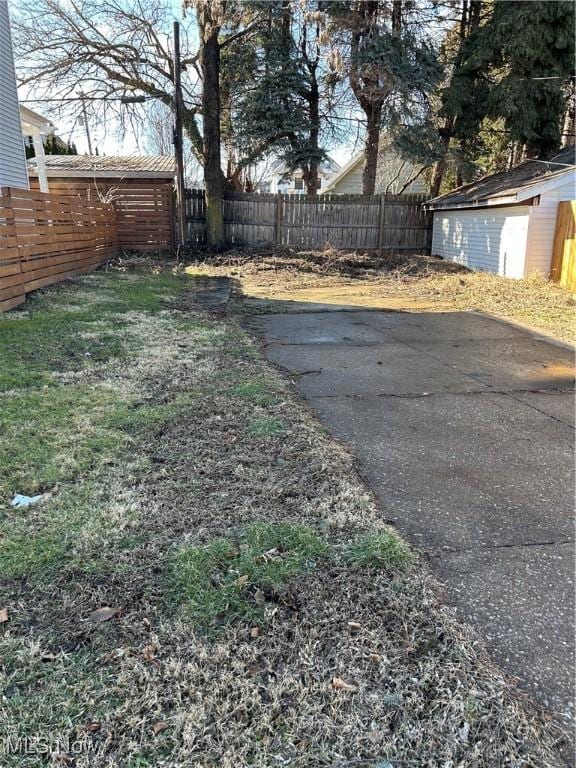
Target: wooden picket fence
387,222
45,238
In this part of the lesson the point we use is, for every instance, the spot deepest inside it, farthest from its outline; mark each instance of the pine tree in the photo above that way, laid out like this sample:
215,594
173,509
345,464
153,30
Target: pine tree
512,72
289,108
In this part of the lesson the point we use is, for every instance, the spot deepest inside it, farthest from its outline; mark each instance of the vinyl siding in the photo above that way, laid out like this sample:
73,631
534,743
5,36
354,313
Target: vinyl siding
492,240
542,226
12,157
351,184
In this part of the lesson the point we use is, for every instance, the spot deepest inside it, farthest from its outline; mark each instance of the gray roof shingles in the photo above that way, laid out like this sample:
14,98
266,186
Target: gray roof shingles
129,164
507,183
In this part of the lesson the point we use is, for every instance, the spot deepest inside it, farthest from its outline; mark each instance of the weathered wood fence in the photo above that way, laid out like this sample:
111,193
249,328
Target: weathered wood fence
45,238
389,222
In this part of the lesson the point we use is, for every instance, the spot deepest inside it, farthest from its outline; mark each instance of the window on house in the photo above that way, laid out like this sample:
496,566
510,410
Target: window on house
298,183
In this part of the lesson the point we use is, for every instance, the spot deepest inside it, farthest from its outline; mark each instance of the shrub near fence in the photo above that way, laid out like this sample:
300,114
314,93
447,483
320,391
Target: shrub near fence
388,222
45,238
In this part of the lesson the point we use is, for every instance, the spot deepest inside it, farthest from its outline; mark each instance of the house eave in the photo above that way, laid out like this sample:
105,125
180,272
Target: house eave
492,202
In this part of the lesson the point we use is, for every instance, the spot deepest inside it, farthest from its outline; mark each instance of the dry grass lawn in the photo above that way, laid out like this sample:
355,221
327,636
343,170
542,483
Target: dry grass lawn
208,582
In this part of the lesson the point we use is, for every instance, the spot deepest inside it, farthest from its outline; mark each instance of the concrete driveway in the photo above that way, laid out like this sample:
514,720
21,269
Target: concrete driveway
463,425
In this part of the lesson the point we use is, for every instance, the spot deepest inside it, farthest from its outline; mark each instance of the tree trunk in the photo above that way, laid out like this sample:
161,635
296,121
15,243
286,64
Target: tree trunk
213,177
397,16
373,116
437,175
568,128
314,105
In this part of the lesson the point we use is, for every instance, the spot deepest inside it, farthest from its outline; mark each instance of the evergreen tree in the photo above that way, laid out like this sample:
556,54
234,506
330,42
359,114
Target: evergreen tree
290,107
507,94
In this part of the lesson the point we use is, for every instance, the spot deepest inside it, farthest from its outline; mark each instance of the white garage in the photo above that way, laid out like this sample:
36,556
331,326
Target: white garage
505,223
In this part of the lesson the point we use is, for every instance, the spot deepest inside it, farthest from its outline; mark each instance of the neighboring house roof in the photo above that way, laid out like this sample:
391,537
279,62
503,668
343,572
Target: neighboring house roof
520,183
107,166
350,166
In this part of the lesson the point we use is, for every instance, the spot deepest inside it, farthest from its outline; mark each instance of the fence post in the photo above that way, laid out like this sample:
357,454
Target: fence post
278,223
381,221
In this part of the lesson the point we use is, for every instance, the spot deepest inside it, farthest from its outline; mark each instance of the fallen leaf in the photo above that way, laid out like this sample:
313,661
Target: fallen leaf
259,597
255,632
93,726
241,580
149,652
354,626
103,614
3,615
303,744
341,685
375,658
159,727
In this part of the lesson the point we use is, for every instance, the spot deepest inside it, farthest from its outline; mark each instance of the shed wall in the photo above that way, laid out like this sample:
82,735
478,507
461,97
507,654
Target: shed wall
488,239
542,226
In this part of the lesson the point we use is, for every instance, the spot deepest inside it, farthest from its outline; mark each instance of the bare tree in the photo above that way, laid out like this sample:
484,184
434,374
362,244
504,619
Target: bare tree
112,47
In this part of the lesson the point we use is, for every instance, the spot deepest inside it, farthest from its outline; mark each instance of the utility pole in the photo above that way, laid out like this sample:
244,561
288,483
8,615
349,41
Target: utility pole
178,154
85,120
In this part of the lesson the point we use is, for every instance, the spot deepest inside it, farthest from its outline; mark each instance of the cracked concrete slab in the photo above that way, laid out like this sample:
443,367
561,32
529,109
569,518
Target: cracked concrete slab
558,405
379,369
207,292
319,328
519,363
462,425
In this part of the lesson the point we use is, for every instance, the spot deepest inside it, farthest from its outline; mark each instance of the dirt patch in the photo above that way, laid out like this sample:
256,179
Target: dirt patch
394,281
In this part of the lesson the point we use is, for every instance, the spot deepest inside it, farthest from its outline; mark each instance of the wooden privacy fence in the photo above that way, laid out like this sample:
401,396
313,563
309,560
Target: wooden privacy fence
45,238
389,222
563,268
144,207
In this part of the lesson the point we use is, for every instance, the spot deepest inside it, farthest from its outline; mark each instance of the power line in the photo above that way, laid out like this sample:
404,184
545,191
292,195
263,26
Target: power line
123,99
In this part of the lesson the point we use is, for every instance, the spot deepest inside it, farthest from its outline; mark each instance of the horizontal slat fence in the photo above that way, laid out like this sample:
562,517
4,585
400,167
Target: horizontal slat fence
387,222
45,238
144,209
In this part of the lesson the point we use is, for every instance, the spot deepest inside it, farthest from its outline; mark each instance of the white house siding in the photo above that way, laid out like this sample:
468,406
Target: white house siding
488,239
12,156
542,226
351,184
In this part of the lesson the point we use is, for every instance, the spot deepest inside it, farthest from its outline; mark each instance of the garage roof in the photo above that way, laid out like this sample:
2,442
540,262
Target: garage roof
106,166
513,186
